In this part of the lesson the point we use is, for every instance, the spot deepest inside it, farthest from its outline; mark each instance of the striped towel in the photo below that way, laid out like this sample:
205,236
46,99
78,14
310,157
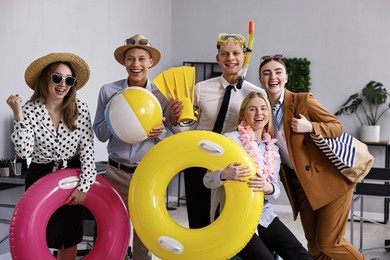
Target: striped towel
350,156
340,151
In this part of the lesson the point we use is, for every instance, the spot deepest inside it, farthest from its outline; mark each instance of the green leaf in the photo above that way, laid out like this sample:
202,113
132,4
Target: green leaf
298,70
367,102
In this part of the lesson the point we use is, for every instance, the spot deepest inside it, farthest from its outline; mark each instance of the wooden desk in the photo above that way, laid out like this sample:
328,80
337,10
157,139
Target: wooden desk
12,180
15,181
376,184
8,182
386,146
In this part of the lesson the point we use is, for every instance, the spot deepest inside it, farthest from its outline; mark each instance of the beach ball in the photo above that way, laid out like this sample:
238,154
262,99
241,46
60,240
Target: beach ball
132,113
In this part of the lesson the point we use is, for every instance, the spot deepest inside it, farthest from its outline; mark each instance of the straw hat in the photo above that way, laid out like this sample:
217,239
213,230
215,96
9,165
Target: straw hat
119,53
35,69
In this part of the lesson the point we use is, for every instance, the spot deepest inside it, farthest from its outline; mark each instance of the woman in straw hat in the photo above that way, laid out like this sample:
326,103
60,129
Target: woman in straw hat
54,129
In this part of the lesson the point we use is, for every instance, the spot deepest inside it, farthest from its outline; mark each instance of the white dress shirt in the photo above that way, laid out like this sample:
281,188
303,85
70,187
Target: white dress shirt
208,96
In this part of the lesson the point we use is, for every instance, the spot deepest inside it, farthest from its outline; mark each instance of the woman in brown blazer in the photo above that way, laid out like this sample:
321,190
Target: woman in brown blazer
315,187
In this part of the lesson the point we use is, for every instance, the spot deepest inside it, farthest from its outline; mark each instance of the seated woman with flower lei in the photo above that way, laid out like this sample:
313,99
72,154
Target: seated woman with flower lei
254,134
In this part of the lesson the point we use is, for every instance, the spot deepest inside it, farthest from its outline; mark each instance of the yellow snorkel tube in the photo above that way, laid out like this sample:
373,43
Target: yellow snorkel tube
244,69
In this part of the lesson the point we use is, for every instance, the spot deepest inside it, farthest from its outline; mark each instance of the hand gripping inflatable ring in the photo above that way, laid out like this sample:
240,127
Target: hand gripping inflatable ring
44,197
221,239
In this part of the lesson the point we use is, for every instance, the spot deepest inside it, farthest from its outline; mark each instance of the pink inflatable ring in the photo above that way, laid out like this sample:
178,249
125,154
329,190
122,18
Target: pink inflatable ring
32,213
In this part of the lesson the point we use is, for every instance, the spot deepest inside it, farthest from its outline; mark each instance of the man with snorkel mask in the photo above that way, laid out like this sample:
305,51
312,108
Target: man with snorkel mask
208,98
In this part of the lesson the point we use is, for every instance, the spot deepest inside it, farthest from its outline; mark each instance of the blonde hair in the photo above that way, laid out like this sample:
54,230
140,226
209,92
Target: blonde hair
269,127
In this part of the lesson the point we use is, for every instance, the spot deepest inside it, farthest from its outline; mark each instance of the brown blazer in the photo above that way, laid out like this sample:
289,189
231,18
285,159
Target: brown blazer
320,179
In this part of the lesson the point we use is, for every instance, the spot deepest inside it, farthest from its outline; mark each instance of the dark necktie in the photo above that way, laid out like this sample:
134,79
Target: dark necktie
222,111
277,118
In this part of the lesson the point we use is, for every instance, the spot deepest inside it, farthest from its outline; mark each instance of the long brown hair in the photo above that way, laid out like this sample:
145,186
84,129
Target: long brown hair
69,104
269,127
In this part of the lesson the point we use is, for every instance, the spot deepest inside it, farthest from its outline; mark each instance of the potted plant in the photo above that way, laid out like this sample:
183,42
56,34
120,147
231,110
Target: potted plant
368,102
4,167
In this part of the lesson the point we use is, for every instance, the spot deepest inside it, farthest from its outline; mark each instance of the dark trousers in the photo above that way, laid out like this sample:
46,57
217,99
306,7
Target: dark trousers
275,238
197,197
65,227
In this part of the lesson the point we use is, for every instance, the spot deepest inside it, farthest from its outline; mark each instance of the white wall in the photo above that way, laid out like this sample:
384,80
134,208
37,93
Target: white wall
89,28
346,41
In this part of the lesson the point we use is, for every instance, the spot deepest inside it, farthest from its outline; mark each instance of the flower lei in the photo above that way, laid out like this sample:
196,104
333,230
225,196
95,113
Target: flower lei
265,164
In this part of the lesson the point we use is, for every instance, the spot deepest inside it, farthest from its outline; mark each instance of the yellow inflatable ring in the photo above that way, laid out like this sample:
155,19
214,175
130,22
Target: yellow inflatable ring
221,239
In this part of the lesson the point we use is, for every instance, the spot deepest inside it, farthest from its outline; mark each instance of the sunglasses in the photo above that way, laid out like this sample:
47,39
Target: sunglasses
274,57
238,39
57,78
139,42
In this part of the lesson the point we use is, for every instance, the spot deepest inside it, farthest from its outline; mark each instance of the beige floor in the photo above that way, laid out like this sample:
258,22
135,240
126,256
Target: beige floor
374,235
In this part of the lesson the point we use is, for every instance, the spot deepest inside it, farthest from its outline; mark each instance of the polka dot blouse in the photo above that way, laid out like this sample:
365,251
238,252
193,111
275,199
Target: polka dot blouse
37,138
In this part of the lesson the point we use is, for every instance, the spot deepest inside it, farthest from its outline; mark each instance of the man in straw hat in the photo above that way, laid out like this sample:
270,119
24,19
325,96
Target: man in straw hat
54,129
137,55
208,99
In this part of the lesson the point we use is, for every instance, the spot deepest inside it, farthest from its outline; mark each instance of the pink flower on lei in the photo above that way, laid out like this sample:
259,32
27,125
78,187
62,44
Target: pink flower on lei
265,164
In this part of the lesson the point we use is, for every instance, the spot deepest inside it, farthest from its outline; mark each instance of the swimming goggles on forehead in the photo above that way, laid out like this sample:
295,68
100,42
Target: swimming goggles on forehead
132,41
273,57
57,78
238,39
